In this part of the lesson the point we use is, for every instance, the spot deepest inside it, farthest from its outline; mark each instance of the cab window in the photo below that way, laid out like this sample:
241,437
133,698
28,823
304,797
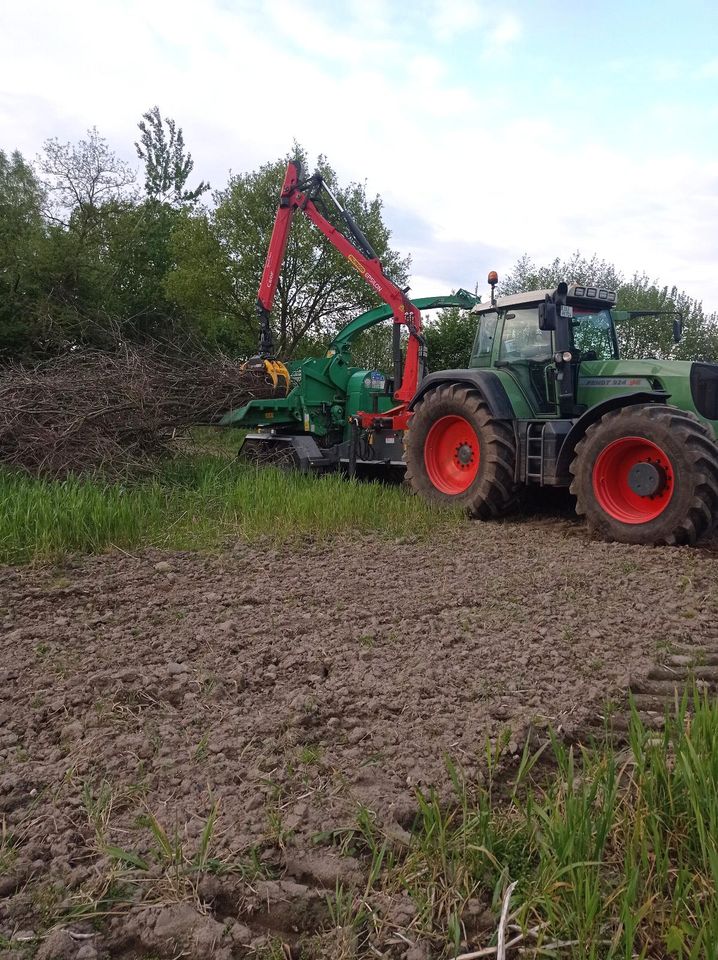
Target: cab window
484,340
521,338
593,334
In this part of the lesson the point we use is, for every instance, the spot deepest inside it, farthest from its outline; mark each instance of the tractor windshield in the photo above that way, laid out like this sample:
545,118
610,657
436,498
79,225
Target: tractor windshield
594,335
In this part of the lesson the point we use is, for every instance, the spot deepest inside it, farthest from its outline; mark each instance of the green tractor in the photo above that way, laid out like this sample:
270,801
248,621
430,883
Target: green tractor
546,402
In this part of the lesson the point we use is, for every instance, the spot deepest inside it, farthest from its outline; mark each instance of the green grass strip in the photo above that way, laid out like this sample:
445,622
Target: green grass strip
199,503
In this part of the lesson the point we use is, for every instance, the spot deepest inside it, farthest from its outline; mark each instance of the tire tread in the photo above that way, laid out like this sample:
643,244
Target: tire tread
701,453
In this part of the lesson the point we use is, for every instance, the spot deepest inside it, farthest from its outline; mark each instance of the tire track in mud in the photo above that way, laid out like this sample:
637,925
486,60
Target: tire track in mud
680,674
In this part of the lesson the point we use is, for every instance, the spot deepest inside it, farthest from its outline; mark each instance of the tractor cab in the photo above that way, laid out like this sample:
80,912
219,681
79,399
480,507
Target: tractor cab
539,349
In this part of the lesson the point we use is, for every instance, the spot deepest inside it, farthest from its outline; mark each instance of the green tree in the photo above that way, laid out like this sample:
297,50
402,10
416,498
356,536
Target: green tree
220,257
652,335
82,256
135,256
137,233
108,248
526,275
449,338
167,164
372,349
200,281
22,253
84,183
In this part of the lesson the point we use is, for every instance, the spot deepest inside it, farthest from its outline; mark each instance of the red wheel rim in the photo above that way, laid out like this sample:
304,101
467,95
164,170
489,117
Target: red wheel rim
451,455
611,486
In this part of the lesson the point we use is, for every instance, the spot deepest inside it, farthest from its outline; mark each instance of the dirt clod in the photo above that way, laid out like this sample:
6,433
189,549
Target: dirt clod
59,945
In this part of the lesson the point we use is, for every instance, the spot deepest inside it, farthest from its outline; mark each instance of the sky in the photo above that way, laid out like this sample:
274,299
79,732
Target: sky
490,130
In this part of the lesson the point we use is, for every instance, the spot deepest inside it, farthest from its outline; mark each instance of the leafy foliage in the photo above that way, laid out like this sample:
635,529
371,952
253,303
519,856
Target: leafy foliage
526,275
167,165
652,335
86,256
220,258
23,238
449,338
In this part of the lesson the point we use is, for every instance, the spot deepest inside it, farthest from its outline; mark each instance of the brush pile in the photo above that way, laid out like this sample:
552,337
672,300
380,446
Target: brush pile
116,411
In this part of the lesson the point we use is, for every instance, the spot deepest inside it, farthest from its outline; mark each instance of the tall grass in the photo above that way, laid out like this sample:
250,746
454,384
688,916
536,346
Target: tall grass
198,503
615,854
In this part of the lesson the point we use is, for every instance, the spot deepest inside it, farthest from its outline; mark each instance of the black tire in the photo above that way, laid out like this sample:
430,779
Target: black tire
689,484
493,490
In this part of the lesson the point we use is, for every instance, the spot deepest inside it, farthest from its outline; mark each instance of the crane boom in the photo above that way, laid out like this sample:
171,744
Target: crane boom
299,194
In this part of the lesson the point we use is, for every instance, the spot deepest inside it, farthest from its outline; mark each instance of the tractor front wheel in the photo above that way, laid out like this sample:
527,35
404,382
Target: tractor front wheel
458,454
647,474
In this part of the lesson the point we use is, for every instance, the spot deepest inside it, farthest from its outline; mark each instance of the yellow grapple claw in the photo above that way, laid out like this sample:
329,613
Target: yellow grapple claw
277,372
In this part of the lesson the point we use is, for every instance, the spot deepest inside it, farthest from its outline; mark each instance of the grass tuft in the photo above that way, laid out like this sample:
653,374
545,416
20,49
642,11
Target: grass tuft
199,503
614,854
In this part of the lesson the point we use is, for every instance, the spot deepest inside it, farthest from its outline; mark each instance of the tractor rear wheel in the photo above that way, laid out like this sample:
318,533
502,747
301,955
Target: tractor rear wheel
647,474
458,454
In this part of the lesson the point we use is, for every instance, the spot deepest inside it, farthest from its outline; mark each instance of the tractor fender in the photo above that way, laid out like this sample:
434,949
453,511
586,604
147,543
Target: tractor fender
595,413
486,382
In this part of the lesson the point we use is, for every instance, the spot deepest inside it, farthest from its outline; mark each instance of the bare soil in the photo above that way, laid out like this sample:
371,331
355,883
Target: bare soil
287,688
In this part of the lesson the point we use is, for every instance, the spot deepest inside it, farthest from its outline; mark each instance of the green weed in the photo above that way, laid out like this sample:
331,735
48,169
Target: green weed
277,832
8,847
614,855
174,868
198,503
310,754
202,748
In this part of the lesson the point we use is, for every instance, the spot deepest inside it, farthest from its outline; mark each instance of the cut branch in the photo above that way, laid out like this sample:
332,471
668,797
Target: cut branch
114,411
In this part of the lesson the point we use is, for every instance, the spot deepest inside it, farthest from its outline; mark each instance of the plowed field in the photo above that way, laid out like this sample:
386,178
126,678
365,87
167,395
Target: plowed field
235,712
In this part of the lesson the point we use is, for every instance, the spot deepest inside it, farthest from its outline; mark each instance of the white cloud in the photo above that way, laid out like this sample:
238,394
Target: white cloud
507,30
354,42
451,18
708,70
244,79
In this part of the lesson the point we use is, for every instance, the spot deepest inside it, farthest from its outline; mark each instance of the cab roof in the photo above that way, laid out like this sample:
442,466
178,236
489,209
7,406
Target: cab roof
576,292
530,297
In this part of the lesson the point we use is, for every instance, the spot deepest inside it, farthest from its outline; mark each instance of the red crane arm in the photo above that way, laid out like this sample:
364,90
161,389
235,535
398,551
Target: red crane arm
275,257
300,196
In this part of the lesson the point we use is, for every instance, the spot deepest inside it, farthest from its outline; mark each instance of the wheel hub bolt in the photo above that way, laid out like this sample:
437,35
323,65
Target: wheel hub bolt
647,479
464,454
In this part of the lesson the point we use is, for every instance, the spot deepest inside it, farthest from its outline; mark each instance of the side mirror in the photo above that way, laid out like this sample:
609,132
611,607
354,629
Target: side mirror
547,315
677,329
